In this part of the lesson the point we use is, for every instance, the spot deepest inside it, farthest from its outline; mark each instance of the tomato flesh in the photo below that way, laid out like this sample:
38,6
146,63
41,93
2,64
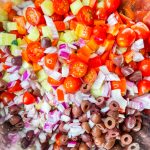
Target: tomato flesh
16,87
71,84
95,62
28,98
143,87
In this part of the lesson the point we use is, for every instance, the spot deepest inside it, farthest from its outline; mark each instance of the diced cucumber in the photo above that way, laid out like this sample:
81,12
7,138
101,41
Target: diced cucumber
86,2
47,7
100,4
6,77
6,38
60,42
21,42
3,15
34,34
14,50
11,26
46,31
25,66
42,75
17,2
96,92
46,86
76,6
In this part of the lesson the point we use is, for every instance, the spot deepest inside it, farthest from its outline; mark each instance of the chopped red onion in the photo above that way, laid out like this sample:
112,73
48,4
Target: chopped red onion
60,107
14,137
81,42
25,84
14,76
105,109
65,118
45,107
68,18
42,137
101,50
50,50
137,57
91,124
25,75
13,69
25,4
75,131
112,20
66,127
136,105
88,114
137,45
71,144
56,75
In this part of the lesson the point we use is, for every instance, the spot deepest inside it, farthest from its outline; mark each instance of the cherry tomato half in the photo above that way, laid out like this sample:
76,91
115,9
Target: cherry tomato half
72,84
56,17
78,69
85,15
33,16
35,51
61,7
141,30
28,98
111,5
6,97
51,60
143,87
16,87
126,37
90,77
144,67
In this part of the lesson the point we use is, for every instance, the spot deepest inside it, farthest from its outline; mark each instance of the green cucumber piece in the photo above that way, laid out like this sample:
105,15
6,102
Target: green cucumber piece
34,34
3,15
7,38
42,75
11,26
46,31
76,6
46,86
6,77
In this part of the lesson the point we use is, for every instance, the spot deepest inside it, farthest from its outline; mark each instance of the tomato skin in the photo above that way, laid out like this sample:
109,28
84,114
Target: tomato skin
95,62
143,87
55,82
126,37
78,69
142,31
51,60
72,84
15,88
99,34
61,7
6,97
28,98
90,77
144,67
56,17
85,15
35,51
111,5
33,16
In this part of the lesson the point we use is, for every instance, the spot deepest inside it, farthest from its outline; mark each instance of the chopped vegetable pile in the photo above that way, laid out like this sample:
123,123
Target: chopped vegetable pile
74,74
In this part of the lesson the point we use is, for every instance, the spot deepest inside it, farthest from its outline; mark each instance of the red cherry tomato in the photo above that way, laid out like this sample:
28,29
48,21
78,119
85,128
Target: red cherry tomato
6,97
95,62
141,30
72,84
99,34
38,3
2,58
57,17
101,14
85,15
111,5
144,67
16,87
90,77
126,37
55,82
33,16
78,69
28,98
143,87
35,51
51,60
61,7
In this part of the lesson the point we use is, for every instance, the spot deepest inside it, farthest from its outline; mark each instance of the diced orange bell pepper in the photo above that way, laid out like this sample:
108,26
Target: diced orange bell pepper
128,56
83,31
27,39
99,22
83,57
60,95
109,42
92,45
36,67
112,56
105,56
118,71
7,6
25,56
11,14
73,24
120,85
60,25
21,24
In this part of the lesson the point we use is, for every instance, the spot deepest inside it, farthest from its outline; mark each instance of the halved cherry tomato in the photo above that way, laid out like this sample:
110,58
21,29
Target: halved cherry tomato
85,15
16,87
119,85
95,62
111,5
51,60
33,16
61,7
143,87
55,82
35,51
78,69
141,30
99,34
101,14
144,67
90,76
56,17
72,84
126,37
6,97
28,98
